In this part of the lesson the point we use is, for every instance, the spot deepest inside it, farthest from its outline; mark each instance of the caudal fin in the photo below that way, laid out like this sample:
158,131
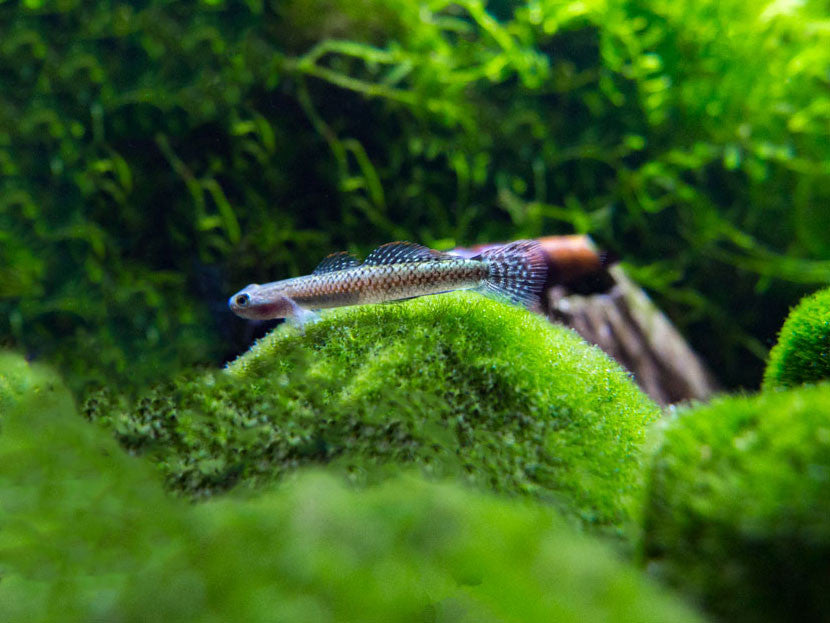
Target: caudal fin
517,272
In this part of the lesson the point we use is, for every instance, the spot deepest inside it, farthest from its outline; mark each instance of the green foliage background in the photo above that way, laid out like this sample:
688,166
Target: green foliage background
155,156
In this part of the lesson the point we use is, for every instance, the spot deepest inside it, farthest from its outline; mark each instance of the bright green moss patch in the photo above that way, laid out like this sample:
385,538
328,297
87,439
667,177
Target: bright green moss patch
458,385
738,512
802,354
20,380
87,534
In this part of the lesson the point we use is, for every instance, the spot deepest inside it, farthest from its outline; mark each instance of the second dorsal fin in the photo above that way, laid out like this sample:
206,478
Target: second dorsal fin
336,261
402,253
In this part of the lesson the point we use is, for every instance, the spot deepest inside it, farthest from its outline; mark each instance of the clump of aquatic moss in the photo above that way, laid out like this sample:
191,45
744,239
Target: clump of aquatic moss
458,384
802,354
19,380
738,507
87,533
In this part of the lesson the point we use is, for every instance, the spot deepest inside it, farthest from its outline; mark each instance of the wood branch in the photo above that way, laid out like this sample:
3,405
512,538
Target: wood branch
626,324
608,309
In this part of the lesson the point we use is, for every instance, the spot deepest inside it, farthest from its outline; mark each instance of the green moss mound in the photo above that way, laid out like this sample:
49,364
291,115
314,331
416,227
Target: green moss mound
802,354
87,533
738,508
457,384
20,380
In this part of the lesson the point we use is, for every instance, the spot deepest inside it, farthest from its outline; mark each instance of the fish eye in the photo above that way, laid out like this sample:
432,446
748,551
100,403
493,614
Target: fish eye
242,300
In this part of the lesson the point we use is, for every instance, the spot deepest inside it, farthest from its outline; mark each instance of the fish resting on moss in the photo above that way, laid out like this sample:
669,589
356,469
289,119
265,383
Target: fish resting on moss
396,271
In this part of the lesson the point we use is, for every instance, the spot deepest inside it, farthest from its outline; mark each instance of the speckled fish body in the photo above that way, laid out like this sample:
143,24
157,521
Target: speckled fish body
379,284
398,270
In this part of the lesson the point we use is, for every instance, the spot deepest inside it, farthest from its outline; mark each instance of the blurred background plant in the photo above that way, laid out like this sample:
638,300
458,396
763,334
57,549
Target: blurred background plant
156,156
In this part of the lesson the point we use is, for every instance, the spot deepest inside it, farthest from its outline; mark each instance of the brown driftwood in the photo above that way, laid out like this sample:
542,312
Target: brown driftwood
623,321
607,309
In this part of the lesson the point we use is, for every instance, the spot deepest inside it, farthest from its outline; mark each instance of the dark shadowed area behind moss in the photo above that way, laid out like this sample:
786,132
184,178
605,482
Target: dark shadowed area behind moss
457,384
738,507
88,534
802,354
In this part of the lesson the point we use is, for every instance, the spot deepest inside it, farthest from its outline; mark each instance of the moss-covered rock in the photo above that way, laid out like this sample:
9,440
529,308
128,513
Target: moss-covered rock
802,354
87,533
457,384
738,510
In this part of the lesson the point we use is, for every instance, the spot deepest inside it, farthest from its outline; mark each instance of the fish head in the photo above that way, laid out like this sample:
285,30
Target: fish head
257,303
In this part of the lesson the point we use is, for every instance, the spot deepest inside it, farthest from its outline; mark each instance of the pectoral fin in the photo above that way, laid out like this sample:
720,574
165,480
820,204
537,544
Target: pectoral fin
300,316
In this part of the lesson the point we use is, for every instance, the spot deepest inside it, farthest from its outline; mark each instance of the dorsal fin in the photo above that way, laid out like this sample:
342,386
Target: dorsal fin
336,261
403,253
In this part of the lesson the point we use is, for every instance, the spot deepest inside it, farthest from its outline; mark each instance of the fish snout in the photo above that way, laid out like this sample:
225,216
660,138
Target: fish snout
255,303
242,303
